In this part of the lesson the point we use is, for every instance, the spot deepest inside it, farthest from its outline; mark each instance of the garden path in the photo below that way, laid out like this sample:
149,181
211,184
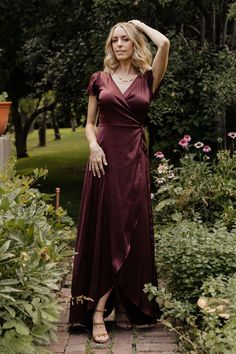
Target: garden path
155,340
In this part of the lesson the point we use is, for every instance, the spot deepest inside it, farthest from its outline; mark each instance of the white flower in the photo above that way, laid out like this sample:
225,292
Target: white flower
162,168
171,175
160,180
198,145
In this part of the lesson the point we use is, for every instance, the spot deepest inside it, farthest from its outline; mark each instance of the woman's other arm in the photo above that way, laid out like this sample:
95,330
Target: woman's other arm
97,155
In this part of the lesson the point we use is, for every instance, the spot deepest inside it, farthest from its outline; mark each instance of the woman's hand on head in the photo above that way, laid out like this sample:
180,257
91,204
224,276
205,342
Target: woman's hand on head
138,24
97,160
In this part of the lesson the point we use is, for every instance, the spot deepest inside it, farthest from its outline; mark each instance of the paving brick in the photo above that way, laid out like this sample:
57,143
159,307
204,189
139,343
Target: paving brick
56,349
159,339
156,334
75,348
158,352
66,292
77,339
60,344
156,347
123,337
122,351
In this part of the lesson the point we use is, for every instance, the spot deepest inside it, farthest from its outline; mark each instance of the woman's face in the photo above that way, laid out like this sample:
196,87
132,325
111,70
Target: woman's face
122,45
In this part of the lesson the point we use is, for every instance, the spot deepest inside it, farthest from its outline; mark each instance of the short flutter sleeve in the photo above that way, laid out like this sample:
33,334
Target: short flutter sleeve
93,86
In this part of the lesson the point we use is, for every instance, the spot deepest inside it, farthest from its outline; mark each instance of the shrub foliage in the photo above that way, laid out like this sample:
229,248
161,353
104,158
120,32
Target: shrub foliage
195,232
34,240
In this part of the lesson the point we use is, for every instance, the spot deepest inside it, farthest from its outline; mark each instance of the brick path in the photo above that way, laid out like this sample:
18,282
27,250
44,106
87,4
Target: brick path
152,340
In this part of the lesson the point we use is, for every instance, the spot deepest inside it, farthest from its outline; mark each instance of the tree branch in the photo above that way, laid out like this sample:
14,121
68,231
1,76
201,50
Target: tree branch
38,111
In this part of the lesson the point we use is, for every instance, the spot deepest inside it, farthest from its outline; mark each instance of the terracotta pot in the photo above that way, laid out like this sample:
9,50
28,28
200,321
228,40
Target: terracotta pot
4,115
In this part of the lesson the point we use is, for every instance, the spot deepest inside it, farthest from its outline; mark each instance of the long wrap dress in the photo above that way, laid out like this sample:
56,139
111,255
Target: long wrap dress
114,247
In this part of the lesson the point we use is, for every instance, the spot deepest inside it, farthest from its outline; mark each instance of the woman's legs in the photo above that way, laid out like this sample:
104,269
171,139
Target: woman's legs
100,334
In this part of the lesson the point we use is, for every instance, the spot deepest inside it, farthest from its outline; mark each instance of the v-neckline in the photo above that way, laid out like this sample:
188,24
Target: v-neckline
123,94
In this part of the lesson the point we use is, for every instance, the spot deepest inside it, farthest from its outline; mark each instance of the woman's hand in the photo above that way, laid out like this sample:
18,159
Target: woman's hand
138,24
97,160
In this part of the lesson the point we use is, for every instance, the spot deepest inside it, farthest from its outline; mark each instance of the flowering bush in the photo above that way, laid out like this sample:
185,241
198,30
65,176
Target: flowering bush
199,188
194,208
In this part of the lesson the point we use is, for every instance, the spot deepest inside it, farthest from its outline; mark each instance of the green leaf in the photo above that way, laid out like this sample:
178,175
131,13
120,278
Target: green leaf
5,247
21,328
164,203
11,311
19,325
8,282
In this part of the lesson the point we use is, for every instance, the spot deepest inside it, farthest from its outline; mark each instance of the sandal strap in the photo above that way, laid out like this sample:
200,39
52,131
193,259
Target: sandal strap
98,323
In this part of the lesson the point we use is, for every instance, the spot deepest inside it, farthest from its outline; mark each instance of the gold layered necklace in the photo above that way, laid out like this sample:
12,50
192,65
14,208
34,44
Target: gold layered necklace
125,80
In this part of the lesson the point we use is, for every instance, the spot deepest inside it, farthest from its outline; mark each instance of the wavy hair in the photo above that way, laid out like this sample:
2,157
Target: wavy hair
142,56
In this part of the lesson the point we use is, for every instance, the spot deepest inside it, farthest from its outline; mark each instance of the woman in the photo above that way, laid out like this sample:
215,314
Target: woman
115,253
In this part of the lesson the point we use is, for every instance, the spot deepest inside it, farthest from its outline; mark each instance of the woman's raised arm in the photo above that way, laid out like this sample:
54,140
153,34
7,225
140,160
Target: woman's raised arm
160,61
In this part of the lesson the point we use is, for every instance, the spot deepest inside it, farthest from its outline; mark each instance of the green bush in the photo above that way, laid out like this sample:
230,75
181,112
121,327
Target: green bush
189,252
34,241
195,231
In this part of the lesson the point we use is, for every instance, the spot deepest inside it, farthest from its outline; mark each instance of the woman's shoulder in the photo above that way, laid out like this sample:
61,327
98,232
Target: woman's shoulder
95,75
99,75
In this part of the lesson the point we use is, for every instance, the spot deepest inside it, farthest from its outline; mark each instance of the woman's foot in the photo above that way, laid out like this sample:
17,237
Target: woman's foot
122,320
99,332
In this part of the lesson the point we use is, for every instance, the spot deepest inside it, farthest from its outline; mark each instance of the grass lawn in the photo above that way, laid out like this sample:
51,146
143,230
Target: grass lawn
65,160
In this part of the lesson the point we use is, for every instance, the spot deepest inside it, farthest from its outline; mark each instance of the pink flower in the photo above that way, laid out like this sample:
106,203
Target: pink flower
206,148
188,138
159,155
198,145
183,142
232,135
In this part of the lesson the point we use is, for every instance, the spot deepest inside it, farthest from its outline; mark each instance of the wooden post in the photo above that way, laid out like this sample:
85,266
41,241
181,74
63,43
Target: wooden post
5,151
57,197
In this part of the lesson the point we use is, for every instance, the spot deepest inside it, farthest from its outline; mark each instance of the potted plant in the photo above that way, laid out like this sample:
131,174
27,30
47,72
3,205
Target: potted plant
4,112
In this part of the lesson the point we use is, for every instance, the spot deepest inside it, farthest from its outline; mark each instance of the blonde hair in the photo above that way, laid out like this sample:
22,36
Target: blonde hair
142,56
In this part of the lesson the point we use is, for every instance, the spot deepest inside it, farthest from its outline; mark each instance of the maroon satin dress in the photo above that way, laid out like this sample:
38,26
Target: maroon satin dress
115,232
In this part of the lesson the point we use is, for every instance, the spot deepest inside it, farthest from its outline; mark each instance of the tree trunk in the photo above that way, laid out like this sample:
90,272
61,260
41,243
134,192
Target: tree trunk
203,29
73,124
42,130
213,25
55,126
21,131
224,32
20,137
234,35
